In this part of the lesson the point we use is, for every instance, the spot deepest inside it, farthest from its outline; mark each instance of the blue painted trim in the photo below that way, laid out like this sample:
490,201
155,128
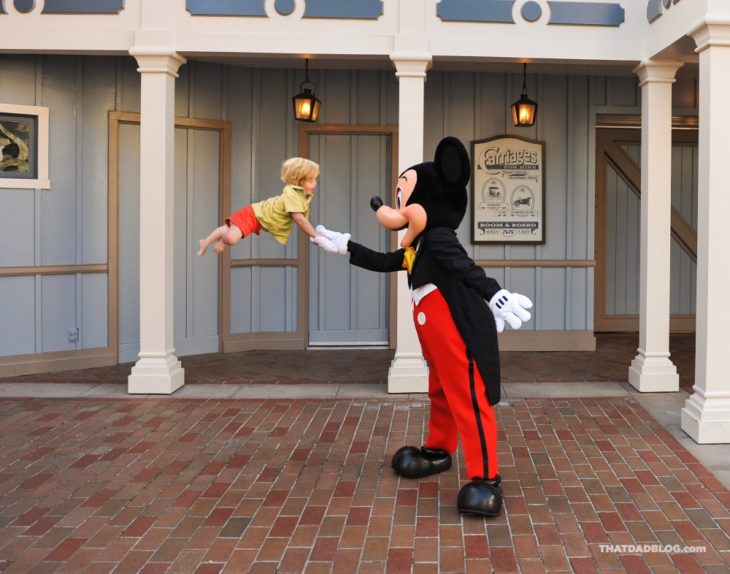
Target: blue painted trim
226,7
351,9
2,7
653,10
476,10
24,6
586,13
531,11
284,7
83,6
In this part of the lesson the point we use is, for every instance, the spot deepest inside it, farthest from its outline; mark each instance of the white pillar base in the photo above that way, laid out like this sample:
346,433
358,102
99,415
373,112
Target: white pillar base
156,376
408,373
707,419
653,373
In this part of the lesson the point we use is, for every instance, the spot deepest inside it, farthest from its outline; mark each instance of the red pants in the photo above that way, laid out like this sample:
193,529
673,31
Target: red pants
457,392
245,220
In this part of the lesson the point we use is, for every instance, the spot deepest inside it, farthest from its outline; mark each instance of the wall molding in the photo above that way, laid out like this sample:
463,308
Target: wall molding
630,324
55,361
261,341
53,270
264,262
533,263
547,341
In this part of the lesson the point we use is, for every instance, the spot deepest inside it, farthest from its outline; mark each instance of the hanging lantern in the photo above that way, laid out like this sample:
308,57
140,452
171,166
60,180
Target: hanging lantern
524,110
306,104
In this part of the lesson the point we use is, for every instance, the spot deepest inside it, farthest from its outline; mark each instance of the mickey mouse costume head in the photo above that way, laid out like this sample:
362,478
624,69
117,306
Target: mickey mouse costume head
457,329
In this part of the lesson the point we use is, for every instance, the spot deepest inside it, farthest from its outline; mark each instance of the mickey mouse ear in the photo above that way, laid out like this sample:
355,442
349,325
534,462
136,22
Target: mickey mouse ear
452,163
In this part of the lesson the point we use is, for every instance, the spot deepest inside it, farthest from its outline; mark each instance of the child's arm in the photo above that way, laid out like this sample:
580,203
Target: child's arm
304,224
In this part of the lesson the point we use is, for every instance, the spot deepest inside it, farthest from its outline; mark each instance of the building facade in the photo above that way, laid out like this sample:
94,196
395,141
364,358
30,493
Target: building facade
151,120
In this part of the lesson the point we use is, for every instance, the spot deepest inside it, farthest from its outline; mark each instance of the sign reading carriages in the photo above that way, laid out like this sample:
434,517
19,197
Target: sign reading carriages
508,190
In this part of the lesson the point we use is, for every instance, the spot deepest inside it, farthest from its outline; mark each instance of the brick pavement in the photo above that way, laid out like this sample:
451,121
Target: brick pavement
158,485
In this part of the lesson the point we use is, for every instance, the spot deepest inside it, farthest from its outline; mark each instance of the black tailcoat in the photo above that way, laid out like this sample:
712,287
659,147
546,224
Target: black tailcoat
442,260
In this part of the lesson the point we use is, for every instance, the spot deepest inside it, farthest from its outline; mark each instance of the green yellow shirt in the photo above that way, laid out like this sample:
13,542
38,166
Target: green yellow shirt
274,214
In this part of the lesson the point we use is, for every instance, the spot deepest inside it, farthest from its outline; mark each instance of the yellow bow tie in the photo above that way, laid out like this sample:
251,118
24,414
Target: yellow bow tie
408,258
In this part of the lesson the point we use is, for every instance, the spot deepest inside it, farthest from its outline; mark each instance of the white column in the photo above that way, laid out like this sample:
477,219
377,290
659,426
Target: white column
706,414
408,373
651,370
158,369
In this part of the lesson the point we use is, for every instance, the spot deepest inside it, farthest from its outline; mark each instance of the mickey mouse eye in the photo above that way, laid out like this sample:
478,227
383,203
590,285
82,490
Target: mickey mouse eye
398,199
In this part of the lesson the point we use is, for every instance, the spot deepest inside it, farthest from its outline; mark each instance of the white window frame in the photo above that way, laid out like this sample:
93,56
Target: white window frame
42,180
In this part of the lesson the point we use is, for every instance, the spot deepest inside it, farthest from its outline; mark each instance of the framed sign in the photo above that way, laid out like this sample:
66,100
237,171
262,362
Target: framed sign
508,190
24,147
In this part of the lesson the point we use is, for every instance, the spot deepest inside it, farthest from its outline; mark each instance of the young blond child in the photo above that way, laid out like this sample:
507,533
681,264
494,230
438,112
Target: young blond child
274,214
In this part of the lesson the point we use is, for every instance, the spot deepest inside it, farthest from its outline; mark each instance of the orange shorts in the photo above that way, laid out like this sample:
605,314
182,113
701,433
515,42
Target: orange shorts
245,220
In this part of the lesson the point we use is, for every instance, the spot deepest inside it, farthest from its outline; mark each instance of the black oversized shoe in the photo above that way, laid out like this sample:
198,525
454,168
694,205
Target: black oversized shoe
414,462
483,497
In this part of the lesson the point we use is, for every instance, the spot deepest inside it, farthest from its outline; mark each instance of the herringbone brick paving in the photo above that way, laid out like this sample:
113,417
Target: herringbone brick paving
160,485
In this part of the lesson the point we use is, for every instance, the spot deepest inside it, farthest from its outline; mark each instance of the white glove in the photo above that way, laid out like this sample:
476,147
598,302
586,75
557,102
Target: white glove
331,241
325,244
510,308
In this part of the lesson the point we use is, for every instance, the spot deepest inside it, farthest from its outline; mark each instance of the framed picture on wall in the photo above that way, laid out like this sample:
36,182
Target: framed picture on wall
508,190
24,147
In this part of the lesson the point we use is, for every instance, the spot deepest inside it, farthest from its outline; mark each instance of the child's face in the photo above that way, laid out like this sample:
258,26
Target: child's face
308,185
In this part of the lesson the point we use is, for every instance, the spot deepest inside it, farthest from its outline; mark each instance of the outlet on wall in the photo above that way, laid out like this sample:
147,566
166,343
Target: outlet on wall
73,335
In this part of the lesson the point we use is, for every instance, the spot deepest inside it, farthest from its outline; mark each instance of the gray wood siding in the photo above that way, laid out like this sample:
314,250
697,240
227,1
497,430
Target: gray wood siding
349,305
17,315
196,214
258,103
684,199
623,214
623,227
476,106
67,225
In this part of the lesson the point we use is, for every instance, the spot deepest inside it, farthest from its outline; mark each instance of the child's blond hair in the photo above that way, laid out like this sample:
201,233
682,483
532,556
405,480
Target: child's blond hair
295,169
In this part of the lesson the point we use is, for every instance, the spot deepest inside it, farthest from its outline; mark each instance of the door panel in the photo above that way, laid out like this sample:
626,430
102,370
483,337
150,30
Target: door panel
348,305
197,177
128,250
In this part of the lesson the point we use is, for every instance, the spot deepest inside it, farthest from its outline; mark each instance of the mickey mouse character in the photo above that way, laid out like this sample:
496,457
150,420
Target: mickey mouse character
457,329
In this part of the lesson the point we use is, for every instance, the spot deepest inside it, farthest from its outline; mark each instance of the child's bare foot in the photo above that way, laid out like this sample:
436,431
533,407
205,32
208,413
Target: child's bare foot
219,247
203,247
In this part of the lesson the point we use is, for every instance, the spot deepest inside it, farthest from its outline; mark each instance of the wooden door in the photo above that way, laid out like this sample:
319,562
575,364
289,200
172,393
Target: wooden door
348,305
